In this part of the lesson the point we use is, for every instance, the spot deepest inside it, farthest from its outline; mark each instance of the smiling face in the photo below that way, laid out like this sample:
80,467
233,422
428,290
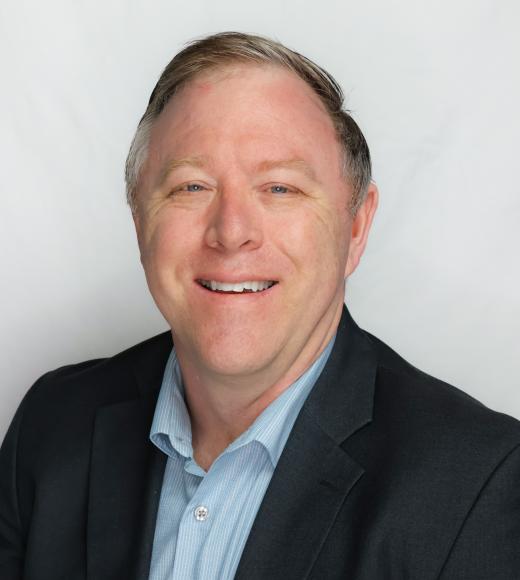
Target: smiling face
243,223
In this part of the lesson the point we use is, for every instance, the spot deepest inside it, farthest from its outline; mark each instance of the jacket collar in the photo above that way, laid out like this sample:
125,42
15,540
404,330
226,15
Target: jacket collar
343,398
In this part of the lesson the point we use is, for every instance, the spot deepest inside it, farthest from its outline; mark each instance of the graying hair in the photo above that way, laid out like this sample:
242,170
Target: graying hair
225,48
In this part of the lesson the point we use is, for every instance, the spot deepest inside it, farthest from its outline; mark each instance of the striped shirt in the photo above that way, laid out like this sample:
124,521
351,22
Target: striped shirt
204,518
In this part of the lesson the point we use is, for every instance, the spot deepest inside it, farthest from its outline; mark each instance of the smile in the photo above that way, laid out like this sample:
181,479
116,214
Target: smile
238,287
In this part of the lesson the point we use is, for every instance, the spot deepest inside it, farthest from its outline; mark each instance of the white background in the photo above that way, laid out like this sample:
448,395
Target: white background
435,86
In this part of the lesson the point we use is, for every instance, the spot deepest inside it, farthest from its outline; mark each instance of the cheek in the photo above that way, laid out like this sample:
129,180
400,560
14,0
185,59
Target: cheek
318,241
168,243
337,227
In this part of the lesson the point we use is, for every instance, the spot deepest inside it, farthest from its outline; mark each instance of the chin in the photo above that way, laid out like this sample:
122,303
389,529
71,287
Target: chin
235,355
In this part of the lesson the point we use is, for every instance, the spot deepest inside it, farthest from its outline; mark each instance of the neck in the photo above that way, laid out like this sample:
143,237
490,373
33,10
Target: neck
222,407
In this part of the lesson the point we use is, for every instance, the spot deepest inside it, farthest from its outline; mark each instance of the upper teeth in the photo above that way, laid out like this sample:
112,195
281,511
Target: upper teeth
254,285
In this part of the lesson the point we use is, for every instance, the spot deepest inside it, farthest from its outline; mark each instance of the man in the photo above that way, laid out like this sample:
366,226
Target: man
272,438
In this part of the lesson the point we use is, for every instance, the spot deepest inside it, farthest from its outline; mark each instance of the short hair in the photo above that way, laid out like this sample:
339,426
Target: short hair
225,48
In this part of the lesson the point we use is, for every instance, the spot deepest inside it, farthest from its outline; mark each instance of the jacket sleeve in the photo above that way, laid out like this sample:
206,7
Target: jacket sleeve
11,538
488,545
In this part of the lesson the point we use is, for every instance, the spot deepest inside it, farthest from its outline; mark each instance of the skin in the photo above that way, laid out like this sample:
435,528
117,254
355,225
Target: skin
243,182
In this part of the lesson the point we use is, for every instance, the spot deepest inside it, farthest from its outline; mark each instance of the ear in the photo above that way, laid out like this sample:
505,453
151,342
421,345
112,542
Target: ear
360,228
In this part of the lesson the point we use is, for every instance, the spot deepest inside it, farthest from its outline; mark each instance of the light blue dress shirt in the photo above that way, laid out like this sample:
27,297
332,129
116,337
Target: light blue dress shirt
204,518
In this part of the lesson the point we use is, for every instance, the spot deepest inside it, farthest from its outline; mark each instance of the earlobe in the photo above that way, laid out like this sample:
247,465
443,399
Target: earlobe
361,224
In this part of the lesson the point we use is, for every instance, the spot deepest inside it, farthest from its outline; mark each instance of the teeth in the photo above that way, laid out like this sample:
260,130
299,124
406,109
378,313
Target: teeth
251,286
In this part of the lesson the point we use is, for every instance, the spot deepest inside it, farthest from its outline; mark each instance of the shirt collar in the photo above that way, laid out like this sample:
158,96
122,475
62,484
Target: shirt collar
171,426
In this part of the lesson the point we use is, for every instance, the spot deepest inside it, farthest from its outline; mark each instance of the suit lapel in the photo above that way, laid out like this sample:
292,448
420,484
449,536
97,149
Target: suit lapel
126,475
151,506
122,460
314,475
311,482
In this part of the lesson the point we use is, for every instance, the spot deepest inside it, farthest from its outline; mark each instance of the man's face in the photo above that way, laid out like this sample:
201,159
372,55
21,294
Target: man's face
243,183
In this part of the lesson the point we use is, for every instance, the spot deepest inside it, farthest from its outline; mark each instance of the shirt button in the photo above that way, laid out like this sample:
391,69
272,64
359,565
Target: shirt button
201,513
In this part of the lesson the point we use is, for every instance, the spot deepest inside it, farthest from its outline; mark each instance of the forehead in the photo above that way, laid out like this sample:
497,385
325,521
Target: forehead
246,110
250,80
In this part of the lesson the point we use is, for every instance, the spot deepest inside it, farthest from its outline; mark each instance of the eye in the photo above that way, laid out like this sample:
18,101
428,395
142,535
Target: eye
193,187
279,189
187,188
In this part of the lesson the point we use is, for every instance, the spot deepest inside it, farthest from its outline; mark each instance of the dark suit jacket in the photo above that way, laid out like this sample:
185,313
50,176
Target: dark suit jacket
388,474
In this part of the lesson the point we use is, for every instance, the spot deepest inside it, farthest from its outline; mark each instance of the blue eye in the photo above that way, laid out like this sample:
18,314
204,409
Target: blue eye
180,190
194,187
279,189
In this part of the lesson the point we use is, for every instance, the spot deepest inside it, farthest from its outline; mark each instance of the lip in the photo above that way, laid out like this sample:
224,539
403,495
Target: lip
234,279
235,295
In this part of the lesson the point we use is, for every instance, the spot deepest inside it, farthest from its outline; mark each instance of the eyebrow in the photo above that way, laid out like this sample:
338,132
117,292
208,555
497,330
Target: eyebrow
293,163
172,164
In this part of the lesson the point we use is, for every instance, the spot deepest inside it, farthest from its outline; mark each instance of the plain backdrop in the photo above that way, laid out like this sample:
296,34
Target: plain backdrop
435,86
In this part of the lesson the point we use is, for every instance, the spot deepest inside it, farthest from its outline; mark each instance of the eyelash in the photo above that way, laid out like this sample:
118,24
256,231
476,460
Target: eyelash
186,186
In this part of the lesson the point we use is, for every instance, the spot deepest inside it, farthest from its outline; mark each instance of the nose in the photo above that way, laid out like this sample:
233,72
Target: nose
234,222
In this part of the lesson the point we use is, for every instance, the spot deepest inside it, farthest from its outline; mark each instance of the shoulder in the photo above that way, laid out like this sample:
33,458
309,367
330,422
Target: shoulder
440,472
90,379
67,398
422,416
